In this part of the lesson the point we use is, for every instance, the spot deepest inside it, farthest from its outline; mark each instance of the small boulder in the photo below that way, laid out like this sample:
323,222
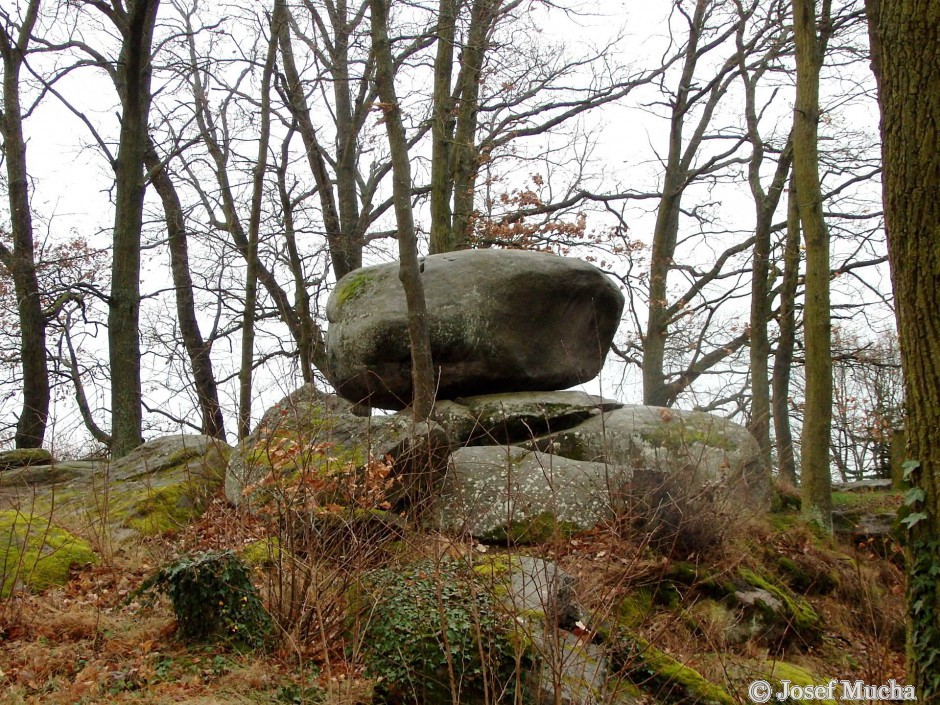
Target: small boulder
499,320
506,492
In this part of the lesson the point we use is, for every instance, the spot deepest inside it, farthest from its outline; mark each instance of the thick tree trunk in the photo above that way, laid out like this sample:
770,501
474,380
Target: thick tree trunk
465,156
197,349
442,131
422,370
783,357
906,59
817,417
133,77
21,261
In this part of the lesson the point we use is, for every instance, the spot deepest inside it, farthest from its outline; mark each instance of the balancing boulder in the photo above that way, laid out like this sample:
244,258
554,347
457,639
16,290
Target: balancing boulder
500,321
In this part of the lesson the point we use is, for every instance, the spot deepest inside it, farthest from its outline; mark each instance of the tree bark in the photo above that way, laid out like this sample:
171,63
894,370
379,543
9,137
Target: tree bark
422,370
21,260
442,131
906,60
198,350
245,371
817,417
783,357
133,74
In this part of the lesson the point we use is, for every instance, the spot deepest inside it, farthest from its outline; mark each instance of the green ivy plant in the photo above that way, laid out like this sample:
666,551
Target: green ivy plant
424,621
212,595
923,578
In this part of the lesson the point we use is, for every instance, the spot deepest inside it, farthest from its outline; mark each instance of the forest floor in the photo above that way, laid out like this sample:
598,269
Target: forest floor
94,641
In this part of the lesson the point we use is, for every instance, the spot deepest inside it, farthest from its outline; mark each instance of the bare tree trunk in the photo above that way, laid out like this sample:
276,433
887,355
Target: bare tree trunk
783,358
906,59
465,157
21,261
817,419
197,349
254,228
442,131
133,74
345,250
422,370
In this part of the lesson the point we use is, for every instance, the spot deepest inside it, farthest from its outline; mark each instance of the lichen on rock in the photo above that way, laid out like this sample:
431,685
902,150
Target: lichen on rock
37,553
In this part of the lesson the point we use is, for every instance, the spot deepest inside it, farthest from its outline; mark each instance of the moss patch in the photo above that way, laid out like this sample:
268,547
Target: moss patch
668,679
36,553
353,286
800,615
536,529
679,436
778,671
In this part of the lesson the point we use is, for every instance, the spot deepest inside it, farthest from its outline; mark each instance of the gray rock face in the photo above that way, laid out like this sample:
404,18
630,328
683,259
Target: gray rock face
313,432
500,492
500,321
705,448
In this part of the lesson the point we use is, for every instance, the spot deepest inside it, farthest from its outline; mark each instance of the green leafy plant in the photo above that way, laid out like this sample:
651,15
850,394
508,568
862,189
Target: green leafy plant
212,595
924,636
428,631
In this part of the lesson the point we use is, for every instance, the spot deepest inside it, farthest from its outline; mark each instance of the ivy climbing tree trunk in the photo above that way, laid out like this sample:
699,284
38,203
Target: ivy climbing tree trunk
817,417
422,370
906,60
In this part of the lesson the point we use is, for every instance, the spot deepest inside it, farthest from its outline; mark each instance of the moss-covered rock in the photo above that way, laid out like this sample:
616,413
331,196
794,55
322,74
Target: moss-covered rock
165,484
704,448
665,678
36,553
23,457
318,443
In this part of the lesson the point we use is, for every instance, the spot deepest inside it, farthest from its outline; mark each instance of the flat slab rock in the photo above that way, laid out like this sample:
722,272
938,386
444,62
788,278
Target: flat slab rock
517,417
500,321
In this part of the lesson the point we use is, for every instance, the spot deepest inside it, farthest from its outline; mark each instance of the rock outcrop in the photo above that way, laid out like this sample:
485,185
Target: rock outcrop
500,321
318,435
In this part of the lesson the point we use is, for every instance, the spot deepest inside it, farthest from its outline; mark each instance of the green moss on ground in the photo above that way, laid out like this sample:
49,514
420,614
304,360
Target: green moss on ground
800,615
37,554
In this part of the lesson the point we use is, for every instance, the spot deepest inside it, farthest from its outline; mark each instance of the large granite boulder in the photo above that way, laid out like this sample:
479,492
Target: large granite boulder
166,483
706,450
318,438
500,321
